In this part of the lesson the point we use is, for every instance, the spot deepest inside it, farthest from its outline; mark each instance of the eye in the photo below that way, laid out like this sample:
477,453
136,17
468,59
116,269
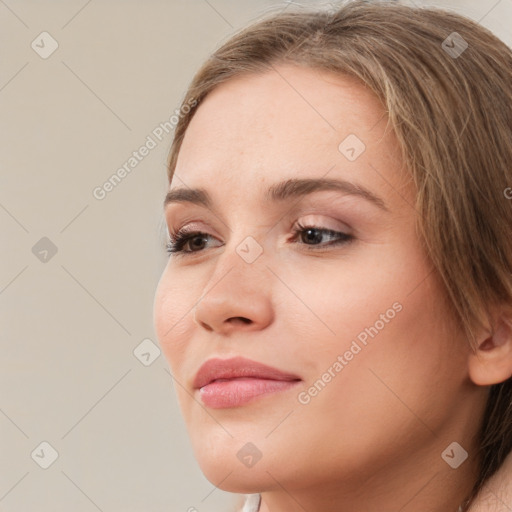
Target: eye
313,235
185,242
182,239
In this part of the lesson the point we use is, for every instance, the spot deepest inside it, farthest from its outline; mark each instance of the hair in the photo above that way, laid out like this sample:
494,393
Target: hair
452,116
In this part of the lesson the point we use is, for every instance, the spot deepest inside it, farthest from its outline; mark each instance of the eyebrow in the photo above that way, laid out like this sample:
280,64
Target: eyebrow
292,188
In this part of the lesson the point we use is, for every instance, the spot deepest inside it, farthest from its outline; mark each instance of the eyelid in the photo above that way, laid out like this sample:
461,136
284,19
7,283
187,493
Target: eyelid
330,207
342,237
322,221
190,227
179,215
316,219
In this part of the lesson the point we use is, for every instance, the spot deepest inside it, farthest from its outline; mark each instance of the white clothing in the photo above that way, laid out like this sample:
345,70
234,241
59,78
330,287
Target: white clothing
252,503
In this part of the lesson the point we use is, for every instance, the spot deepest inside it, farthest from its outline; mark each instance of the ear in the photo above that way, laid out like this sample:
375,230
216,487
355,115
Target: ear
491,363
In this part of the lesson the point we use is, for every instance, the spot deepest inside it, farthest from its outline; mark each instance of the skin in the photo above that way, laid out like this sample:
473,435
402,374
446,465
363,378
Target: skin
372,439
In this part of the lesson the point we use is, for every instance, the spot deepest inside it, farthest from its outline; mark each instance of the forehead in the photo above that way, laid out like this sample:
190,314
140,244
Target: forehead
285,123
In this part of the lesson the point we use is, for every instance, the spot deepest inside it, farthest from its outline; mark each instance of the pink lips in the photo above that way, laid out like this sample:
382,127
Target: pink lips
233,382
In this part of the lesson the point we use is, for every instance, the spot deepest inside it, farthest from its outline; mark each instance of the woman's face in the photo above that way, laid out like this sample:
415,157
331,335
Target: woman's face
372,372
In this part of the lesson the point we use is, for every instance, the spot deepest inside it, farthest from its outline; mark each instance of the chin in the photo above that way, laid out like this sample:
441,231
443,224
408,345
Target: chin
234,465
233,477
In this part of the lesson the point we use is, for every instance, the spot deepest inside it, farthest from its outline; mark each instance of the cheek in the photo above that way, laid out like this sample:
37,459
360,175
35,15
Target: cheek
384,315
332,301
397,376
172,312
423,360
394,392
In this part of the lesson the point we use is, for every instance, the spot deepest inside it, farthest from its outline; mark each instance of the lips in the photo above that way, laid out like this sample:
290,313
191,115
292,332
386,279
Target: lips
223,383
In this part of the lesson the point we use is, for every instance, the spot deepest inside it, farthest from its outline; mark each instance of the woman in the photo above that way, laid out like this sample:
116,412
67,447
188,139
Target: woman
337,306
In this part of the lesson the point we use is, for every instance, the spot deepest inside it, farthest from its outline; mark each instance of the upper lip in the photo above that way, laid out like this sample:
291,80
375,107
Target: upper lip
237,367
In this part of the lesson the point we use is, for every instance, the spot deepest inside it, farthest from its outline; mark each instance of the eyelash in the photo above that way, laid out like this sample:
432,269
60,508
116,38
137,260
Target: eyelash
182,237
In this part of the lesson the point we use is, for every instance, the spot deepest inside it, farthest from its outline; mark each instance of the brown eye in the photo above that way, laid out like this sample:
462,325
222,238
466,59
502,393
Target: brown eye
313,235
184,242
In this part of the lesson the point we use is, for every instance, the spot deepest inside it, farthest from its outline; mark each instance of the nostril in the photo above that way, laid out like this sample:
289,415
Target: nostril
206,326
241,319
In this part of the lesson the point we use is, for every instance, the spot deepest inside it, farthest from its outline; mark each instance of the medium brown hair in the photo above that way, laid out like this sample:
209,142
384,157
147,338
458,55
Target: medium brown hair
450,107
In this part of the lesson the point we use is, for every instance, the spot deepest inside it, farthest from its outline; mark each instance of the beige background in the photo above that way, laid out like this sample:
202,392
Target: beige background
70,324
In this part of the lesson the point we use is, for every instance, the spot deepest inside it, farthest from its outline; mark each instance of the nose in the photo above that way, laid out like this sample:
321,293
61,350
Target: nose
236,298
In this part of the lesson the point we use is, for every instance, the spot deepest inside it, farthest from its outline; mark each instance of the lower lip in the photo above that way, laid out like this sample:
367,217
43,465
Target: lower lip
236,392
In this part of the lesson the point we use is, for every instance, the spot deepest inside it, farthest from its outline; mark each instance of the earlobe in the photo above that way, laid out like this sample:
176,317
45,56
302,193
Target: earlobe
491,363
